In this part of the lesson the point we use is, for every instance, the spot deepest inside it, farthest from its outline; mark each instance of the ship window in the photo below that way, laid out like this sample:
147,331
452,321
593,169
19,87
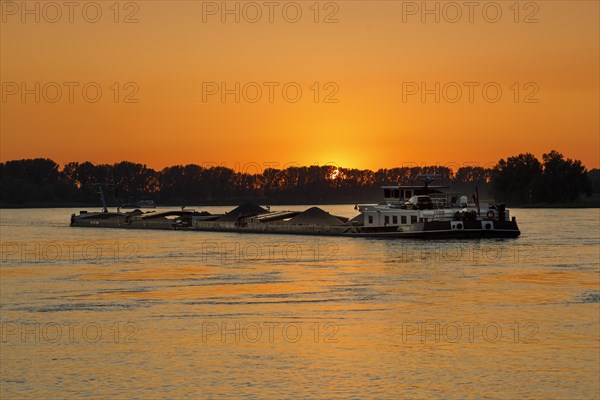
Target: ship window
403,219
387,219
413,219
395,220
370,219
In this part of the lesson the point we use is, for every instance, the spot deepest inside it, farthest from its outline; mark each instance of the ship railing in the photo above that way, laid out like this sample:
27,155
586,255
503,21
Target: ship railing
444,214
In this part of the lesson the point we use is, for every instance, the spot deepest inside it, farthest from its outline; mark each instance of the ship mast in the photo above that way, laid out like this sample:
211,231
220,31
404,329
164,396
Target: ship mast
101,193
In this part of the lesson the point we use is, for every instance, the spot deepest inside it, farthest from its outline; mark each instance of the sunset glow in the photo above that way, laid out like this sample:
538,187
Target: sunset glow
382,84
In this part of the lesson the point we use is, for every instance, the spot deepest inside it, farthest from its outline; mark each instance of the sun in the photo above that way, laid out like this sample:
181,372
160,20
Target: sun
334,174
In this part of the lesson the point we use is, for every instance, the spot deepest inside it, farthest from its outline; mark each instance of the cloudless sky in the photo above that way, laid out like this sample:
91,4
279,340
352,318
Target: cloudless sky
361,74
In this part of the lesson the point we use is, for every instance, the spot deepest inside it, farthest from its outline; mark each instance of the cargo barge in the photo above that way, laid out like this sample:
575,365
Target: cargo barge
409,211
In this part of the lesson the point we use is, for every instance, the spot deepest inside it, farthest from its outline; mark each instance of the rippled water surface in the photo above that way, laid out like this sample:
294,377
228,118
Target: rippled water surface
108,313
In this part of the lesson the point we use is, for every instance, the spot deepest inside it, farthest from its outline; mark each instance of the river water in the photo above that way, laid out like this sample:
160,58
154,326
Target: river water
109,313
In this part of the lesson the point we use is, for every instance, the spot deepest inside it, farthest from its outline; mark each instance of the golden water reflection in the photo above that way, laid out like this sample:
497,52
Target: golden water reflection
377,320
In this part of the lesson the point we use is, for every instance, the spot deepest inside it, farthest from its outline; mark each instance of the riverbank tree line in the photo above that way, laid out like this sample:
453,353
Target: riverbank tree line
518,180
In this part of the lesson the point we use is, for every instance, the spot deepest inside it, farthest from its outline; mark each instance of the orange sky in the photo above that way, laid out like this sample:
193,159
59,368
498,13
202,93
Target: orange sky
372,55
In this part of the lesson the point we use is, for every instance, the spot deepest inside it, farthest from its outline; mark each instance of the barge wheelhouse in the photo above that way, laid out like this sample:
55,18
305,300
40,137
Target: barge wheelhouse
435,212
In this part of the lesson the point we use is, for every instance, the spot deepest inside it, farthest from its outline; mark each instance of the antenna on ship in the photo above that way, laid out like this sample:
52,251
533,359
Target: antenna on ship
476,199
428,178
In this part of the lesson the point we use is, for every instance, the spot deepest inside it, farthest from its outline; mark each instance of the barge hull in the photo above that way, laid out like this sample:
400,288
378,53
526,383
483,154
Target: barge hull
508,230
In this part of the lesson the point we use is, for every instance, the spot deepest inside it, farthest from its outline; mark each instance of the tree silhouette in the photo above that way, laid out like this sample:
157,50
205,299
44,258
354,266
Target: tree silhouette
516,180
520,179
562,180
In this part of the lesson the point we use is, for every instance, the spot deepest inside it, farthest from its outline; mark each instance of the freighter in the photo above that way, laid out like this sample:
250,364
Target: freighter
408,211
